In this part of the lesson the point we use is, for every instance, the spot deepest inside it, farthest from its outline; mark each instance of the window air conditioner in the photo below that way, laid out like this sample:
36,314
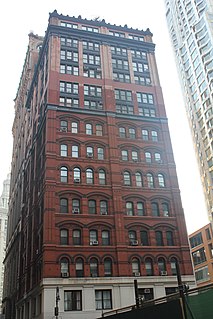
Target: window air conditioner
147,291
135,159
103,212
163,273
63,129
64,274
76,211
134,242
76,180
94,243
89,154
136,274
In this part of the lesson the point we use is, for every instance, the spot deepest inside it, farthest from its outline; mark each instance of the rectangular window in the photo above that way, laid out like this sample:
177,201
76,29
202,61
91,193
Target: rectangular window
145,98
103,299
69,42
68,87
69,55
123,95
69,69
196,240
72,300
91,46
91,59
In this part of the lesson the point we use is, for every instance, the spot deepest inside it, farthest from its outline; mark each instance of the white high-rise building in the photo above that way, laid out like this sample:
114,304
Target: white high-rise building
190,24
3,228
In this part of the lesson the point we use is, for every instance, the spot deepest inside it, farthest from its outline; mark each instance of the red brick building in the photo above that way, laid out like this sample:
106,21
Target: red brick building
94,200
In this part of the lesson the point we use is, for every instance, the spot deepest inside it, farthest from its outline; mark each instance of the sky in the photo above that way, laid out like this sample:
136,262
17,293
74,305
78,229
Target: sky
19,18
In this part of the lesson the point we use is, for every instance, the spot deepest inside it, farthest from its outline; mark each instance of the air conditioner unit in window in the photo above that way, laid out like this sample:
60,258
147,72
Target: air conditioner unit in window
76,180
135,159
163,273
89,155
147,291
94,243
134,242
63,129
76,211
103,212
136,274
64,274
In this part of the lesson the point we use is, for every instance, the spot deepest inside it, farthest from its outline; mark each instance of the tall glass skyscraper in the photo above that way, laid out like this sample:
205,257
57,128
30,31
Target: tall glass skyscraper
190,24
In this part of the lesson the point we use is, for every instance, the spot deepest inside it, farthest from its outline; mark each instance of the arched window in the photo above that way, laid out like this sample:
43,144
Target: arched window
124,155
159,238
76,237
145,135
154,136
100,153
127,179
92,206
135,156
103,207
140,208
165,207
64,236
149,267
89,129
99,129
161,180
157,158
135,267
138,179
155,209
148,157
63,150
169,238
173,264
64,205
79,267
64,265
76,206
107,267
105,236
77,175
122,132
162,266
75,151
89,151
94,267
129,209
74,127
93,237
102,177
64,174
132,237
132,133
89,176
63,126
150,180
144,238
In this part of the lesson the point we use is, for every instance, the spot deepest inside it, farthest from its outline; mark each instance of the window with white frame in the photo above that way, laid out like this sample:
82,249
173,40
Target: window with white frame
161,180
75,151
100,153
127,178
89,129
64,150
74,127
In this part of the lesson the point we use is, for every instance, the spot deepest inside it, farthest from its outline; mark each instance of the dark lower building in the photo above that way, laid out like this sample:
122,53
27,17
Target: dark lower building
94,200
